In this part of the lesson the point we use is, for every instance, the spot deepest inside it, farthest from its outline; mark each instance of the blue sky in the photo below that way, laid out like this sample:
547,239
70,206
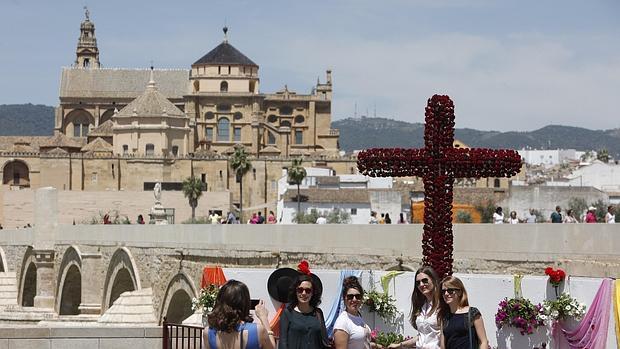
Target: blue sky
508,65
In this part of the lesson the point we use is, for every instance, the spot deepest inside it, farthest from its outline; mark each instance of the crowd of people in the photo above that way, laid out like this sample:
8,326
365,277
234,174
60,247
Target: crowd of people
440,312
386,219
589,216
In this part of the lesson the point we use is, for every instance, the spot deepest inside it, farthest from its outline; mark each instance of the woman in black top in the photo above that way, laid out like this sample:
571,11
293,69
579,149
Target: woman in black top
461,325
302,324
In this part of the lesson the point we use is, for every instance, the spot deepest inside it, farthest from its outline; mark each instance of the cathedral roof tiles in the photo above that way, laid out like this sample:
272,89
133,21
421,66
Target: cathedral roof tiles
225,54
120,83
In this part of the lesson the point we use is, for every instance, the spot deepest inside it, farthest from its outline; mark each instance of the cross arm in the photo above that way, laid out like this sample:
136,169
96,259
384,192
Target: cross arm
392,162
480,162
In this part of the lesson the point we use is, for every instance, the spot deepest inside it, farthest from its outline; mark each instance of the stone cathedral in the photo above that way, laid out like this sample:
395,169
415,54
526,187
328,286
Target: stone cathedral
120,129
211,107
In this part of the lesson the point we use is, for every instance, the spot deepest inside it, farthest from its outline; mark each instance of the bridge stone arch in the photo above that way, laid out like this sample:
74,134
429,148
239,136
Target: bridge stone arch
3,266
177,304
122,276
16,172
69,283
28,279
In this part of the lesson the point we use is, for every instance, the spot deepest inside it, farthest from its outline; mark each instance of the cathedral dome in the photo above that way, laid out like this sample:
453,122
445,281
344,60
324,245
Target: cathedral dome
225,54
151,103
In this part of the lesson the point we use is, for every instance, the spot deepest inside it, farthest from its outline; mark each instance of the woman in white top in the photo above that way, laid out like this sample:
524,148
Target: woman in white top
350,330
610,216
569,217
498,216
513,218
424,306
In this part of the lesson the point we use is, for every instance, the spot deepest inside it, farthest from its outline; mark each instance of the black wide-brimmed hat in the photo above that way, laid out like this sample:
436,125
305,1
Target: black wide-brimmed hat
281,280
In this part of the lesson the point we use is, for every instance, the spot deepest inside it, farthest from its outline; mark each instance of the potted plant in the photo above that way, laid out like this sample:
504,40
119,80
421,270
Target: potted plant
520,313
381,303
384,339
564,307
205,301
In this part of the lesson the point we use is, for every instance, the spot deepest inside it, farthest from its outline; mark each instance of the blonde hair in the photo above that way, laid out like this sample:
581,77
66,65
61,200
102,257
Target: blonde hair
463,301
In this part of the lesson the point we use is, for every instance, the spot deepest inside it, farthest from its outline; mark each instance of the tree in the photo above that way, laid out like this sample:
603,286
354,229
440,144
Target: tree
296,174
603,155
486,210
240,164
192,190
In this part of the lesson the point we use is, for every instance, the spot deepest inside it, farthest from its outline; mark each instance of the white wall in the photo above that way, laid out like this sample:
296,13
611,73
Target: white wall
484,292
290,208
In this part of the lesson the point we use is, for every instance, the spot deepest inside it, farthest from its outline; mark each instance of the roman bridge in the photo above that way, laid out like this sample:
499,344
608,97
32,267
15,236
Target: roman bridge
137,274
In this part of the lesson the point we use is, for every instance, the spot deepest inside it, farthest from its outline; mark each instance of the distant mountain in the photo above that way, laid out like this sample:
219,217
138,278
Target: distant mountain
363,133
26,120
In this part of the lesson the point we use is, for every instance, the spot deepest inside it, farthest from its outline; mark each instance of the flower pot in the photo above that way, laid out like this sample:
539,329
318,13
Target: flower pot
510,338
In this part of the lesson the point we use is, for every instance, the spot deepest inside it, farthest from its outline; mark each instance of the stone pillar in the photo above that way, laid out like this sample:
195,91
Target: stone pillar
45,218
45,226
92,284
44,261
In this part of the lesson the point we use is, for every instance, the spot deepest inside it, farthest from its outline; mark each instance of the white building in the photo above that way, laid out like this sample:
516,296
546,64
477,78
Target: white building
356,194
602,176
549,157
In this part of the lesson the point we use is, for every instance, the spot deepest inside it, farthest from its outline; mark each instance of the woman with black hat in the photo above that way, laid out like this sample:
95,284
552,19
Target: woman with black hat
230,323
302,324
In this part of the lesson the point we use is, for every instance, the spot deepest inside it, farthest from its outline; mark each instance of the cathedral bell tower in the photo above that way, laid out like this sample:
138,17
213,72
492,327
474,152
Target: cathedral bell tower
87,53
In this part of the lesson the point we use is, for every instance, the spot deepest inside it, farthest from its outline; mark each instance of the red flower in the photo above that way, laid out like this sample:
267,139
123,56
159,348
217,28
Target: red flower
303,267
555,276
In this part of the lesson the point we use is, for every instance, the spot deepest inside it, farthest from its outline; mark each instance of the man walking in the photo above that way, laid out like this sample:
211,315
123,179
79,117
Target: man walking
556,217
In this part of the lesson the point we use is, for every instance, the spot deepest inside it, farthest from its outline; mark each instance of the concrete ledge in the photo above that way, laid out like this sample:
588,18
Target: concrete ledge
80,338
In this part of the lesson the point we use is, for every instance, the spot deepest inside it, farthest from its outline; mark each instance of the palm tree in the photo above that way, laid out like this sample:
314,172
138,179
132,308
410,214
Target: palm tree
241,165
192,190
603,155
296,174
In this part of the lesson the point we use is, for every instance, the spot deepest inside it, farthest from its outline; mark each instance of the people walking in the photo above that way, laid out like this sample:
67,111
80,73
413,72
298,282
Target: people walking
556,216
569,217
498,216
513,218
591,216
401,219
610,216
388,220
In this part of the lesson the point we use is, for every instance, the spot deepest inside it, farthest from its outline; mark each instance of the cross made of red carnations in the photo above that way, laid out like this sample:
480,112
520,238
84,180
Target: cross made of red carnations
439,163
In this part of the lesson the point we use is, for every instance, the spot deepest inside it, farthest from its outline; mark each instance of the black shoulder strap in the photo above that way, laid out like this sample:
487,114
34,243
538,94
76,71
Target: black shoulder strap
469,326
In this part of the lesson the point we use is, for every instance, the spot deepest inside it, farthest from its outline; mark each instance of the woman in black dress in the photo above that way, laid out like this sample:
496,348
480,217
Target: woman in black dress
461,325
302,324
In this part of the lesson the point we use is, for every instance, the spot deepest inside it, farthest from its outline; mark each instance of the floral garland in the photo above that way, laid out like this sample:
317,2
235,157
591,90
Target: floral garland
439,163
520,313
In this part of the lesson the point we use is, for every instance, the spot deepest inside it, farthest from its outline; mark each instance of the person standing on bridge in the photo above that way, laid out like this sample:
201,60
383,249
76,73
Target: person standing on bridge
230,323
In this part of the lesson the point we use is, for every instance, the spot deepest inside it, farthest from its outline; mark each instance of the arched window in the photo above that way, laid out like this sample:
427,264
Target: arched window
223,130
80,126
496,183
299,119
150,149
285,123
125,149
175,150
224,86
209,115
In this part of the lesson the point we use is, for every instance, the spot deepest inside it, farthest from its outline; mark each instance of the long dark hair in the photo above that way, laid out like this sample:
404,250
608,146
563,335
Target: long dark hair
315,300
232,305
418,299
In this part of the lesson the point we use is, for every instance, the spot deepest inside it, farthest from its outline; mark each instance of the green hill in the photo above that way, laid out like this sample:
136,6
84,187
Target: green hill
26,120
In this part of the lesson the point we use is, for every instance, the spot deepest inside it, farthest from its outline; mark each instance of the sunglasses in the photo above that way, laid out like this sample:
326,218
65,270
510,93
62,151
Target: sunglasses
301,290
357,296
424,281
450,291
